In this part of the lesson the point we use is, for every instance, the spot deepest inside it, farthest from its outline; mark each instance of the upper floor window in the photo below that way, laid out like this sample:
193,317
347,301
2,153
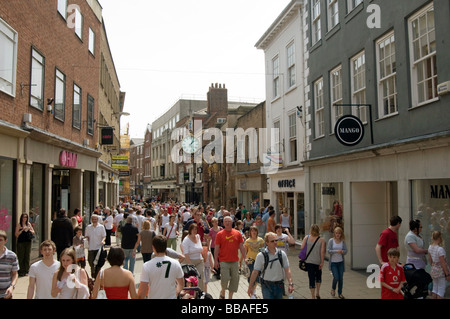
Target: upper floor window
91,41
62,8
293,137
276,77
387,76
78,23
422,41
90,115
291,64
37,80
352,4
358,85
316,28
60,95
8,58
76,116
319,115
336,95
333,13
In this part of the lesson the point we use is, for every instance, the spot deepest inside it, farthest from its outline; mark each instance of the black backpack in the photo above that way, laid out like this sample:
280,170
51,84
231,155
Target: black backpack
267,261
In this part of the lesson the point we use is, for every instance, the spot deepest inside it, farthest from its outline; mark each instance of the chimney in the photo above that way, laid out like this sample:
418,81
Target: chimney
217,99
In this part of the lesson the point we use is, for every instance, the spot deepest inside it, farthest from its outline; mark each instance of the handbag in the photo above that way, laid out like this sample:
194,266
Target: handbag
302,261
101,291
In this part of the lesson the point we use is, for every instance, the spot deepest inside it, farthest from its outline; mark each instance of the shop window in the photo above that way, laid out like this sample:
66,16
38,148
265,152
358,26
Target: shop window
328,209
430,204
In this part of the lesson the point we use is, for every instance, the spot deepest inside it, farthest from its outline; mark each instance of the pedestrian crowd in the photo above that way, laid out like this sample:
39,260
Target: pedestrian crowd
213,242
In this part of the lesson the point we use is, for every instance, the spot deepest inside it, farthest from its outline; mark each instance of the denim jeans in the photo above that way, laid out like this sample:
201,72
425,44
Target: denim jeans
272,289
338,276
128,263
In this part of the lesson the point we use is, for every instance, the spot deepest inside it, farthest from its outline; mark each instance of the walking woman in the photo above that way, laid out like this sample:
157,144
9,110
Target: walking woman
440,270
337,249
315,260
24,234
192,249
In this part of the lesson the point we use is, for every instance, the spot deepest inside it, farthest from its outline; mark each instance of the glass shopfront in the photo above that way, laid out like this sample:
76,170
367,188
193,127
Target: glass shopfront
328,210
430,204
7,222
36,209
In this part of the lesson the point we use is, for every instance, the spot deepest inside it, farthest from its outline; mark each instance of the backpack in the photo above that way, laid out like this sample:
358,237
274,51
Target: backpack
267,261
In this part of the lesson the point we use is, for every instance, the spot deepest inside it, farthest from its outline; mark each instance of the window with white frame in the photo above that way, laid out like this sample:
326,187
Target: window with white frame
352,4
315,22
8,58
37,80
62,8
423,56
293,137
76,111
78,23
277,126
90,114
358,84
291,64
387,76
336,95
319,109
60,95
333,13
91,41
276,77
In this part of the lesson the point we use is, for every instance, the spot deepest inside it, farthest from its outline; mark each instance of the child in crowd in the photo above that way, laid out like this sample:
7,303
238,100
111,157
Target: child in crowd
392,276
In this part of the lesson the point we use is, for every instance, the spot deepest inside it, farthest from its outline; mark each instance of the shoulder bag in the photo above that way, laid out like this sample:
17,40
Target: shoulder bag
101,291
302,261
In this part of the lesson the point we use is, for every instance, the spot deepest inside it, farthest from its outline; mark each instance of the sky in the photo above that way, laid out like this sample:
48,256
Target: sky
164,50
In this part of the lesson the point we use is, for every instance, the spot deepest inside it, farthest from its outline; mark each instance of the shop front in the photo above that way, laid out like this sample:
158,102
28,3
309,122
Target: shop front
287,191
407,180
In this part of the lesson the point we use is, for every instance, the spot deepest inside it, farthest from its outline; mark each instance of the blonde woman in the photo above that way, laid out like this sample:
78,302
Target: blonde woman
315,260
439,266
337,249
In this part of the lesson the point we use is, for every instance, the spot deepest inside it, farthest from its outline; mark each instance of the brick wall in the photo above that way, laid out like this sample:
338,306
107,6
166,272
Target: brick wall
40,26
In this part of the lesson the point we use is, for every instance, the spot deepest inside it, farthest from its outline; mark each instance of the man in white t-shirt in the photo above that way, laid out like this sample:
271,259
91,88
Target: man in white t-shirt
41,272
162,276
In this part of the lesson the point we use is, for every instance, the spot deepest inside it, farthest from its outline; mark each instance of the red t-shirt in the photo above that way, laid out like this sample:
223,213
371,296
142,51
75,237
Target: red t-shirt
388,239
392,277
229,242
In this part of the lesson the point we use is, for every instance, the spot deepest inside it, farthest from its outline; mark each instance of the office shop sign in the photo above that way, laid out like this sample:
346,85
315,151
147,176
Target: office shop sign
349,130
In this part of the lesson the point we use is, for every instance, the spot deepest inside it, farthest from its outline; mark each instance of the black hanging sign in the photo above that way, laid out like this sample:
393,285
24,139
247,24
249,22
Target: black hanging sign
349,130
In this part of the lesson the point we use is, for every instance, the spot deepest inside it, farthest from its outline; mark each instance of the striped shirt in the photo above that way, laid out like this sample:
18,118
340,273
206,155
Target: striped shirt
8,264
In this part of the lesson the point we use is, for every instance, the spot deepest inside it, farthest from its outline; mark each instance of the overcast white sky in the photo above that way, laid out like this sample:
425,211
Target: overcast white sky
164,50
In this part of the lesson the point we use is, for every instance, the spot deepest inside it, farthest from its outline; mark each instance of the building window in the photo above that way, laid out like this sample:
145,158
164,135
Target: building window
387,76
358,75
291,64
293,137
37,80
316,31
336,95
319,108
90,115
8,58
352,4
91,41
423,56
276,77
76,116
333,13
78,23
62,8
60,95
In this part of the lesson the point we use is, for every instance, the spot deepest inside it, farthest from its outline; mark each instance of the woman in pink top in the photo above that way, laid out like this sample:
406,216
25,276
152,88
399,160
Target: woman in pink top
117,282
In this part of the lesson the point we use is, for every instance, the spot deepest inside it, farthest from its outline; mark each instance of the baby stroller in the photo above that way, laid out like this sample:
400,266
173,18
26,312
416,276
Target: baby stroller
191,275
417,282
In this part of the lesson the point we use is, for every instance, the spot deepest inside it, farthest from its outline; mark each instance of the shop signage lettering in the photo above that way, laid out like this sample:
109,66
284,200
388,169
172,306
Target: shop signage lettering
349,130
107,136
286,183
328,191
440,191
68,159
